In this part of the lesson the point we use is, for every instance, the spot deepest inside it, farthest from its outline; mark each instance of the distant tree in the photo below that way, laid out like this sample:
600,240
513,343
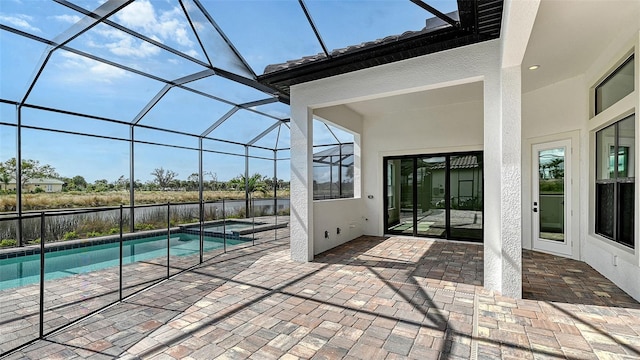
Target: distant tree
79,182
255,183
122,183
101,185
213,184
163,178
193,182
5,176
31,169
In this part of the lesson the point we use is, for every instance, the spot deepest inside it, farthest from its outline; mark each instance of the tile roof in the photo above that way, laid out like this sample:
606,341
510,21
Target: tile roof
458,162
432,24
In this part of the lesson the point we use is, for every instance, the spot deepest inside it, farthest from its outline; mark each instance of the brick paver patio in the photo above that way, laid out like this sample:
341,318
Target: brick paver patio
373,298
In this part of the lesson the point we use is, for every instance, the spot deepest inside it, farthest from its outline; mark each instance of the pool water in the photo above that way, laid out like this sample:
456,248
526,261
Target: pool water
25,270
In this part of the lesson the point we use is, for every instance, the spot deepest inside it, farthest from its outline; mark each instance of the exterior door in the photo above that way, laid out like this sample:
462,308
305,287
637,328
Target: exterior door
435,196
551,208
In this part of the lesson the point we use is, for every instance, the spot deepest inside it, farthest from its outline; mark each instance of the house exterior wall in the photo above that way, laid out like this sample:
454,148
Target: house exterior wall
552,113
442,129
563,110
618,263
31,187
501,144
343,214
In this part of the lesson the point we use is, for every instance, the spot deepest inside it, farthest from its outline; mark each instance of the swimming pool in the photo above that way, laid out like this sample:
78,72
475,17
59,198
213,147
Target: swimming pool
231,227
25,270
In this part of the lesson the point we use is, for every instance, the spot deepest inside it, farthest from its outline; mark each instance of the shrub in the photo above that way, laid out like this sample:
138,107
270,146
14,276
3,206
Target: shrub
144,226
8,243
70,235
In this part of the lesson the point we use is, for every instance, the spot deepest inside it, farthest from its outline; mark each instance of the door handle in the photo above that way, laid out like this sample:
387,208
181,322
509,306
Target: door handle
535,209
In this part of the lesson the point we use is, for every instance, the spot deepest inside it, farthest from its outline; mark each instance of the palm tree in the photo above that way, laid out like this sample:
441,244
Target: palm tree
255,183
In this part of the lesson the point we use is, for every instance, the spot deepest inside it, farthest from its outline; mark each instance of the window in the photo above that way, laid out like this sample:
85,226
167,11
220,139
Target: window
616,86
333,170
615,181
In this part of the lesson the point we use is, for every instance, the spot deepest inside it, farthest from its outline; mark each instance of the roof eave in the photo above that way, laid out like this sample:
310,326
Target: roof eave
370,57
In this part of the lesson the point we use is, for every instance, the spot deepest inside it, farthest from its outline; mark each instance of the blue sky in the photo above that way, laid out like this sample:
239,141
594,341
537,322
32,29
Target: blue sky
264,32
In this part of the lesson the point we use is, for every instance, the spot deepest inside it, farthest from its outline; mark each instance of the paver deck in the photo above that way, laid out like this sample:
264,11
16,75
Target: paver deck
372,298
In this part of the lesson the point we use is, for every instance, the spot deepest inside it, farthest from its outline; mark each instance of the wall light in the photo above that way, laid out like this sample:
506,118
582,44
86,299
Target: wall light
534,67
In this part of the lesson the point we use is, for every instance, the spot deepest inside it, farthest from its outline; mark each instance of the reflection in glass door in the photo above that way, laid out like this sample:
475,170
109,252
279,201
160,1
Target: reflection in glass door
432,195
400,196
465,172
435,196
550,196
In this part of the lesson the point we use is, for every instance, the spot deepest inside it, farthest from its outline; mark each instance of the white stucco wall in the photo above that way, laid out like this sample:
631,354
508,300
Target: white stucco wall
618,263
555,112
441,129
563,111
343,214
331,215
501,114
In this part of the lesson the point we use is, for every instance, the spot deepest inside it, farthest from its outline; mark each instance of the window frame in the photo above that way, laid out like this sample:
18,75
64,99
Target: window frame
615,179
630,58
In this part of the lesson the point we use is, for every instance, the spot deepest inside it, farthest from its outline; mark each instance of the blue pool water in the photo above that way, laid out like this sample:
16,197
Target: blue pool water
25,270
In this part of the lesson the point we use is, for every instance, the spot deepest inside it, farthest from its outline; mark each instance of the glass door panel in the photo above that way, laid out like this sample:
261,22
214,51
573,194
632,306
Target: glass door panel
400,209
432,194
466,196
437,196
551,196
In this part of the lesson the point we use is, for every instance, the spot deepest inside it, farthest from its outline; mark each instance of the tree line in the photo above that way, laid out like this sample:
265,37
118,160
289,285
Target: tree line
161,179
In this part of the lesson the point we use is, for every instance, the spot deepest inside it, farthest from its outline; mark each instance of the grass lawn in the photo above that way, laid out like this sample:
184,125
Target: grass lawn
65,200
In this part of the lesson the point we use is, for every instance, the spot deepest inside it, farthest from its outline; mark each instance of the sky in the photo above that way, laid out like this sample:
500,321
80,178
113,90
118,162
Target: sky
263,32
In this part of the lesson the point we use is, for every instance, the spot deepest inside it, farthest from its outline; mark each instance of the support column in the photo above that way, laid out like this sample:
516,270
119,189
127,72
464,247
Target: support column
503,169
301,221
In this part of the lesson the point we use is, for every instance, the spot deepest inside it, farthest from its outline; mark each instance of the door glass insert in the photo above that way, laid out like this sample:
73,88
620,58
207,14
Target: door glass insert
400,208
551,186
466,196
431,190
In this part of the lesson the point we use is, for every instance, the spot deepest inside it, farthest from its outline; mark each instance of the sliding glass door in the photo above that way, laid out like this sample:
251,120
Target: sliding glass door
437,196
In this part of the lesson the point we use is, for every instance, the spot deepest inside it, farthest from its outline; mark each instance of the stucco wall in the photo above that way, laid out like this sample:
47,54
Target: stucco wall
500,112
555,112
343,214
331,215
442,129
618,263
562,111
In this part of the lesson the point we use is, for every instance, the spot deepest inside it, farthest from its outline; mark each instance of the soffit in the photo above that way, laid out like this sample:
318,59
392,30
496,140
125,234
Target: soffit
419,100
569,35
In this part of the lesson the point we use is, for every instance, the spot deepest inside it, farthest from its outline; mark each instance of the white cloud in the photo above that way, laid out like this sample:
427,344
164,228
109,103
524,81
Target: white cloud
141,16
79,69
132,48
71,19
20,21
193,53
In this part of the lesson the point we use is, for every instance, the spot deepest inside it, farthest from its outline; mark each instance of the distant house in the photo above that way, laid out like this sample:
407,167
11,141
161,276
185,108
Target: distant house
47,184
